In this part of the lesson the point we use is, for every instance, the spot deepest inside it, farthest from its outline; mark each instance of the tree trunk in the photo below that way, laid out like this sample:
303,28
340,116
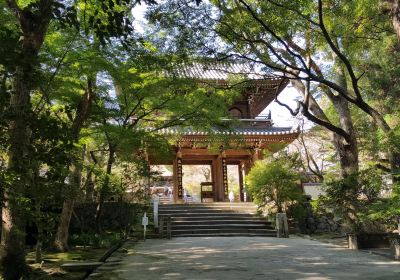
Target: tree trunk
89,188
13,231
393,7
39,239
395,166
394,156
61,240
83,112
104,188
33,25
347,150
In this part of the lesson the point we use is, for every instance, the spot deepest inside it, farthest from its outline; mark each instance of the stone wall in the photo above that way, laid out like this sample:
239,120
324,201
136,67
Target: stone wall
115,216
319,224
325,223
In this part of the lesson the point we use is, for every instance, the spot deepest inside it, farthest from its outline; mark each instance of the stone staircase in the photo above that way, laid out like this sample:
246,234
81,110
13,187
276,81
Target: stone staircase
216,219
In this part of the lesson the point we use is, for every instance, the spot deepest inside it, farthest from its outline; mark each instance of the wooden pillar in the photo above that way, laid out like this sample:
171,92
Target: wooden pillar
175,179
224,177
214,177
221,177
241,181
247,166
177,176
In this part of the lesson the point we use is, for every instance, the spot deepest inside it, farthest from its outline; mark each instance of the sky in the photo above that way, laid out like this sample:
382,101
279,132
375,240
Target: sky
280,115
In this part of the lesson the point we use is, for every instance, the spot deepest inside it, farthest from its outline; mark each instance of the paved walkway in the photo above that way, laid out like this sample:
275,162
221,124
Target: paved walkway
243,258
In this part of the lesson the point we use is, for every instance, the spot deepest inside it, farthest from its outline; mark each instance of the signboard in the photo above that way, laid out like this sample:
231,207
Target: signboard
145,220
180,175
225,176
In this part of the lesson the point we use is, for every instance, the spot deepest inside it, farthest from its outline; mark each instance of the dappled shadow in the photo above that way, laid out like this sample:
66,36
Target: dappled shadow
250,258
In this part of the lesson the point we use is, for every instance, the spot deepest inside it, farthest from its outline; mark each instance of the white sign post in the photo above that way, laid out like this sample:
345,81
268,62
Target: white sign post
145,222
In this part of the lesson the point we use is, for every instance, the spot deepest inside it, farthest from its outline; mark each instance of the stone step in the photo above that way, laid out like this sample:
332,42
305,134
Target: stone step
263,232
220,222
80,266
197,208
173,211
209,213
272,234
216,219
197,217
191,205
201,217
207,208
232,211
219,227
174,207
215,203
219,204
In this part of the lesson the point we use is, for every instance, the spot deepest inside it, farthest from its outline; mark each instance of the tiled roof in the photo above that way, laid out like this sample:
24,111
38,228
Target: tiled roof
219,71
234,132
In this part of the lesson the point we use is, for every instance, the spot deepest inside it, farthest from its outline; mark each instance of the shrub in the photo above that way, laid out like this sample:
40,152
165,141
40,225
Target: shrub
358,201
275,182
94,239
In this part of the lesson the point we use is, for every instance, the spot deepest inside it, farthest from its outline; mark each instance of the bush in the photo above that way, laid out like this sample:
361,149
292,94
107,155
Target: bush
275,182
298,212
358,201
95,240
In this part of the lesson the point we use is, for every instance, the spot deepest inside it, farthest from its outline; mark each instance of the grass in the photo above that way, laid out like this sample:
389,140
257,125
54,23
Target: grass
50,269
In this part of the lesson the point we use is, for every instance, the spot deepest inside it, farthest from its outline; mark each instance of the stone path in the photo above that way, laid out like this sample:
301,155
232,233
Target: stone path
243,258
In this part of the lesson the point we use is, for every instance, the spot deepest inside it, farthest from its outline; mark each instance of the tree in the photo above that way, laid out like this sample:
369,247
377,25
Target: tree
275,181
392,7
246,38
147,101
323,49
32,19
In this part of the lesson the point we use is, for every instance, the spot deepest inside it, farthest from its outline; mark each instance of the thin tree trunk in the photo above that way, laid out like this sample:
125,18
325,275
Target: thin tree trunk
39,239
61,240
83,112
89,188
393,8
37,193
104,188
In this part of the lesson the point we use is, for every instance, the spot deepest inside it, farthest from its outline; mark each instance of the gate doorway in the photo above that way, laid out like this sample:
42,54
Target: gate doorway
193,177
234,182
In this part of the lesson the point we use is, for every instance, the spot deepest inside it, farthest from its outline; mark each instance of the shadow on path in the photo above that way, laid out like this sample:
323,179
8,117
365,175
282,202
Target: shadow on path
244,258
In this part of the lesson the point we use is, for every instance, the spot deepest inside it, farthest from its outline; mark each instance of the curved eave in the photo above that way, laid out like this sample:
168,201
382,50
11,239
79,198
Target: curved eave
245,133
276,136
